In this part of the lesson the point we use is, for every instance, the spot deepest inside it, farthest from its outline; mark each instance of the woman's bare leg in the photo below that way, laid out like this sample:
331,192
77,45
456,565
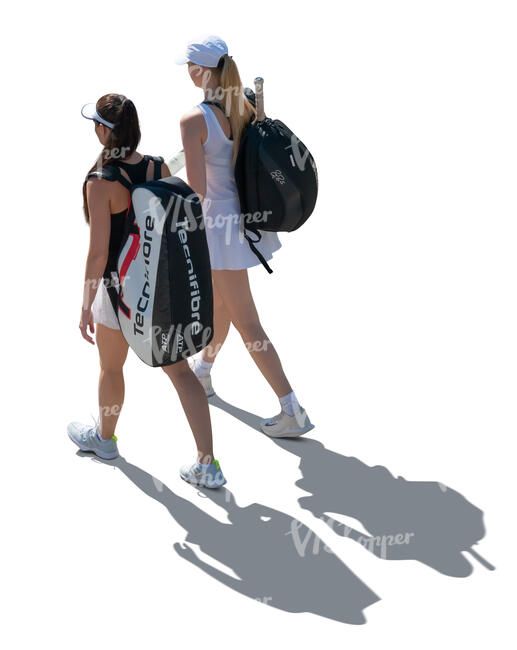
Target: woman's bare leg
112,355
194,403
234,289
113,352
222,323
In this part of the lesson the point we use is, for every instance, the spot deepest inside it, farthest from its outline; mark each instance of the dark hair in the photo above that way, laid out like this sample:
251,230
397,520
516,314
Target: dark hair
123,138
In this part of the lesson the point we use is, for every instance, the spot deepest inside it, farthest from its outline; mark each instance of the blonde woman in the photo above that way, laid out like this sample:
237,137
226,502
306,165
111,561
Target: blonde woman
211,133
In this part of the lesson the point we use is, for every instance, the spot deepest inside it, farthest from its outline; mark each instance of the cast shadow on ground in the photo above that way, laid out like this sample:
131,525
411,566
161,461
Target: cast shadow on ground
405,520
277,560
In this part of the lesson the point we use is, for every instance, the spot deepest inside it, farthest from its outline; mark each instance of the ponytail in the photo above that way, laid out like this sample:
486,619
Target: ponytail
237,107
123,138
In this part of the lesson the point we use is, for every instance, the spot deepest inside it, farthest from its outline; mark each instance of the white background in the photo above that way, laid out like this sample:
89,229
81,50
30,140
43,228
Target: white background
393,310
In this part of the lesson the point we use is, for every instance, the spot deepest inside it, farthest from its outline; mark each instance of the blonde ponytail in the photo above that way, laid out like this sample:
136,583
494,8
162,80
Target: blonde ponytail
237,107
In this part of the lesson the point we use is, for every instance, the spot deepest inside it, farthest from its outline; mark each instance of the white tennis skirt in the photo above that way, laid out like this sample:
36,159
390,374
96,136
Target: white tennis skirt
102,309
229,250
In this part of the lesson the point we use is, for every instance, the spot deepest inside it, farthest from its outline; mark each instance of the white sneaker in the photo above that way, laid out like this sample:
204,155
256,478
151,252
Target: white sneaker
284,425
86,438
204,380
209,477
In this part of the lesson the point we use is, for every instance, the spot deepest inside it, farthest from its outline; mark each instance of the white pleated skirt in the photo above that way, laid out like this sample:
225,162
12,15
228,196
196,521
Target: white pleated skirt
102,309
229,250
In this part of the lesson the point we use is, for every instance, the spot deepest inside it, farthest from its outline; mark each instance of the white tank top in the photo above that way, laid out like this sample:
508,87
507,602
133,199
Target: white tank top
220,181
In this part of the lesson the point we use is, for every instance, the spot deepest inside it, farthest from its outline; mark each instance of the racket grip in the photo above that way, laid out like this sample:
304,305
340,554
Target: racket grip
259,99
177,162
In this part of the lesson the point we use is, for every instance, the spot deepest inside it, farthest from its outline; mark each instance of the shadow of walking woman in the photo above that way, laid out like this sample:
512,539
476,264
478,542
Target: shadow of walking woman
277,560
405,520
424,521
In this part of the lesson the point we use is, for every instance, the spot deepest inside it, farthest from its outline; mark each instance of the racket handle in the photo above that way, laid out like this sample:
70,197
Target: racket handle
259,99
177,162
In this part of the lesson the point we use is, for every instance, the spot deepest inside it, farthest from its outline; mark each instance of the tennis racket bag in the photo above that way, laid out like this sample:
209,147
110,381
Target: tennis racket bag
162,289
276,177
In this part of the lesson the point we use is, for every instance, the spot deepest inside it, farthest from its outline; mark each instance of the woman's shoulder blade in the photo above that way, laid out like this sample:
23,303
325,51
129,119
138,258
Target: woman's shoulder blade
192,119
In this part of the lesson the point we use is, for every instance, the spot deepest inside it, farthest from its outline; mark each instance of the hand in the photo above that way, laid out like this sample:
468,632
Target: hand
87,323
185,551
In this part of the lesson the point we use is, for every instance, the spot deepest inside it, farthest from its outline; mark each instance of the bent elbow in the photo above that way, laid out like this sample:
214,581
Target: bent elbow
97,259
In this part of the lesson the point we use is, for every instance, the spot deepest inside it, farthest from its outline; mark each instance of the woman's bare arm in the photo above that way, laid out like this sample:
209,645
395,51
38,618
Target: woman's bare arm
192,126
97,195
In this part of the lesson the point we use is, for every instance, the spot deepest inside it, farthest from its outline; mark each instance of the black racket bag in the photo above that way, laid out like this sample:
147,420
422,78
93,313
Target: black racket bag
276,177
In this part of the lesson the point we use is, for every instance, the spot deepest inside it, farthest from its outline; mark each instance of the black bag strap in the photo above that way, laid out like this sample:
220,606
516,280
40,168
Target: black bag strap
110,173
252,242
113,289
158,160
210,103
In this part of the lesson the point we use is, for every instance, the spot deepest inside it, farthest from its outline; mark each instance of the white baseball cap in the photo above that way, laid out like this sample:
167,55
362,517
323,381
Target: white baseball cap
89,111
205,51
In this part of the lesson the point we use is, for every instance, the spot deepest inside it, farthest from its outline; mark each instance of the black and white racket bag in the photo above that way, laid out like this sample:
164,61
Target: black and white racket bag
276,177
162,292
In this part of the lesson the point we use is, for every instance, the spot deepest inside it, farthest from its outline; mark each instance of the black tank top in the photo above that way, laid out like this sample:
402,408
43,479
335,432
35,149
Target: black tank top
137,173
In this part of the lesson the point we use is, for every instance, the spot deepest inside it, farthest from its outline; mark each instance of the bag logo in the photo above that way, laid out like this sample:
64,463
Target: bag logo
165,342
277,176
300,156
145,293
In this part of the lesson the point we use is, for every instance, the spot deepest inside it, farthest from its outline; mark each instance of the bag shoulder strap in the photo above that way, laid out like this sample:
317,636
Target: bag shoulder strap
210,103
110,173
252,242
158,160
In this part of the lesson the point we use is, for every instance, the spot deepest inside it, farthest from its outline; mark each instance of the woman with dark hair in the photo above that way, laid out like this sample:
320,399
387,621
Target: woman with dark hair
211,133
105,206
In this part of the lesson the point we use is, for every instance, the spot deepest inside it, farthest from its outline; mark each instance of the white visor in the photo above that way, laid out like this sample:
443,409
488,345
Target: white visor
89,111
205,51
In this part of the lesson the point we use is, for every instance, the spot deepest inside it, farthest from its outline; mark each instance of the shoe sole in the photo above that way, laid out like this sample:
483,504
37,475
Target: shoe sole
290,433
99,454
210,487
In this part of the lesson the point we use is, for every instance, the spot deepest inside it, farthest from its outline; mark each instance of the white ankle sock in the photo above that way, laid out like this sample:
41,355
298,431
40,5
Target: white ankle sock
202,368
289,403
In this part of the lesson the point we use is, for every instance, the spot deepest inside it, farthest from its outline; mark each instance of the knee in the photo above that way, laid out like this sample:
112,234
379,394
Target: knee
112,368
